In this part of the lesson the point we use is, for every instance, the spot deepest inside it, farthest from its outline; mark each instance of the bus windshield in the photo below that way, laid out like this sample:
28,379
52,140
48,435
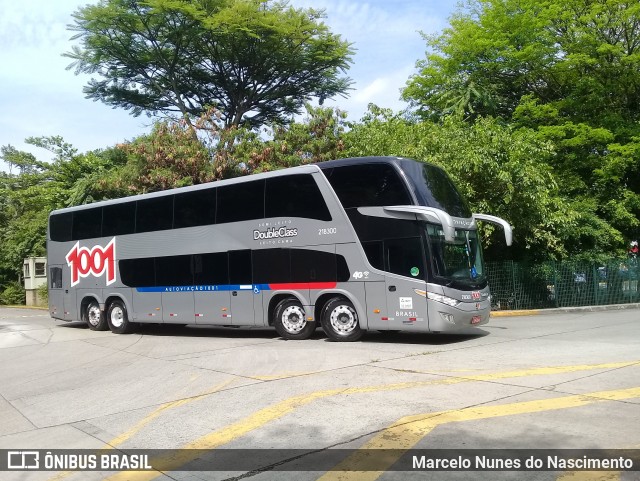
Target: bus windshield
458,263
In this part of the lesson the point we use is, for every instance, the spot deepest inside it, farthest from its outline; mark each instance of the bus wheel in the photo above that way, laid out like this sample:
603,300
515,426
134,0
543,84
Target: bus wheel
340,320
290,320
95,317
118,319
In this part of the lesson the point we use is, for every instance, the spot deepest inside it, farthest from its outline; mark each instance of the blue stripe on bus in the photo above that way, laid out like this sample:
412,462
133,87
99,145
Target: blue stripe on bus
206,288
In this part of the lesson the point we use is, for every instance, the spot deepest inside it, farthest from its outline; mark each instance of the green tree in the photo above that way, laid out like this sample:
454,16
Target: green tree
29,195
257,61
568,70
316,138
580,56
501,171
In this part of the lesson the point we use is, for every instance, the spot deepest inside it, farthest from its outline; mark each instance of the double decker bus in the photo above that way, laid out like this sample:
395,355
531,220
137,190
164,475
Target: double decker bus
375,243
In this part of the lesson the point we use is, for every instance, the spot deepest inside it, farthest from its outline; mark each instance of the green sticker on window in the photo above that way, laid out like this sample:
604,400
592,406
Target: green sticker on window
415,271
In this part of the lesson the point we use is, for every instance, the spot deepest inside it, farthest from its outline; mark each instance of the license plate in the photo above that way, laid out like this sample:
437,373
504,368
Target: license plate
476,319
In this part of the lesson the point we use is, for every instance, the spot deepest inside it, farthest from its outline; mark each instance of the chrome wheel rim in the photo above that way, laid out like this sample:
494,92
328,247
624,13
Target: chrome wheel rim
293,319
117,316
343,320
93,314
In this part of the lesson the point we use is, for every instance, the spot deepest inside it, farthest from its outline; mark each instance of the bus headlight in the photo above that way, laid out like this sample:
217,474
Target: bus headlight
449,301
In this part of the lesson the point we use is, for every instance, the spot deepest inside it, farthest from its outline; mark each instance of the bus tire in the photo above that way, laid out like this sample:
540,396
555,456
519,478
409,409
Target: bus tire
340,320
118,319
290,320
95,318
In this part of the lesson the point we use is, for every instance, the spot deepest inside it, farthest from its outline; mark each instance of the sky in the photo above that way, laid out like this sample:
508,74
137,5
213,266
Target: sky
40,97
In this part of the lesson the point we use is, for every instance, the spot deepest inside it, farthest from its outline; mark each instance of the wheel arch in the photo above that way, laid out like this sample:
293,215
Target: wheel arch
277,298
116,297
84,303
326,296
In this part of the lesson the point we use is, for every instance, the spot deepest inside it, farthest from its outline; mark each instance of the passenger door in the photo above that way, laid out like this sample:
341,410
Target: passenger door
242,289
70,310
56,294
407,309
212,296
174,276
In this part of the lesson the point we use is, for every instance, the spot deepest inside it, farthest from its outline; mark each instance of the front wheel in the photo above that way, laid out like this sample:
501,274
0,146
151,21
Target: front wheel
118,319
291,322
95,317
340,320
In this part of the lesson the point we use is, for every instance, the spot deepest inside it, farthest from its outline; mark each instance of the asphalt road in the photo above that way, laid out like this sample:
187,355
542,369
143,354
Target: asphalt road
561,381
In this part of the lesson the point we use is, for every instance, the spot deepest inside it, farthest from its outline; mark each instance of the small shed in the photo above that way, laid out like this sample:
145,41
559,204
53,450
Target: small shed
35,276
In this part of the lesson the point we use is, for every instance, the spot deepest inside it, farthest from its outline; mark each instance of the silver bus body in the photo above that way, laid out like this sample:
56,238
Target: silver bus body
291,248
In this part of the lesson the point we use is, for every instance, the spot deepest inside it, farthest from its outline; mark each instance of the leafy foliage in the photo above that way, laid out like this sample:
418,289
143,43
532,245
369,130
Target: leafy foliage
12,294
39,187
257,61
499,170
567,70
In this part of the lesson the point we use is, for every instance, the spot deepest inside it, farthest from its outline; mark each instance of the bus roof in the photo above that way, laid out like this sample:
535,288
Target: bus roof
329,164
302,169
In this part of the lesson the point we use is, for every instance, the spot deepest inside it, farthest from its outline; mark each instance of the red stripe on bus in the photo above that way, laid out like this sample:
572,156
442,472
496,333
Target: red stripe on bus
303,285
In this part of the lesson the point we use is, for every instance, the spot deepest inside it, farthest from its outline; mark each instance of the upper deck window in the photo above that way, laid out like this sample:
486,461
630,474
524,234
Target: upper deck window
434,188
238,202
295,196
154,214
60,227
87,223
194,208
368,185
118,219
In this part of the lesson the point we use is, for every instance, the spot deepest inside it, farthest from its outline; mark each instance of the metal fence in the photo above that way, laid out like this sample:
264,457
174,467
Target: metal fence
517,285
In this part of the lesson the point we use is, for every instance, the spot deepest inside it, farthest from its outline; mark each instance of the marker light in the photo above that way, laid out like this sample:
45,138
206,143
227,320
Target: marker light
447,317
449,301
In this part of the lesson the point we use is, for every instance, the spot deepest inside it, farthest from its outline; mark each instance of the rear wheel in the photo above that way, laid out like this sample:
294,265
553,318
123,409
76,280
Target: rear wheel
340,320
290,320
118,319
95,317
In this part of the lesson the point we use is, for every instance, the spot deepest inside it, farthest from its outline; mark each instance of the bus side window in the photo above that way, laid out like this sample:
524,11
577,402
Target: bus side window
174,271
56,277
272,266
240,267
368,185
373,250
87,223
404,256
211,268
196,208
154,214
295,196
119,219
138,272
240,202
60,227
313,266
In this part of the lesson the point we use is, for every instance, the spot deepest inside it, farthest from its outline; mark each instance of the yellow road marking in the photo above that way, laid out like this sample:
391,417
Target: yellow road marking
538,371
113,443
271,413
524,312
159,410
409,430
590,476
283,375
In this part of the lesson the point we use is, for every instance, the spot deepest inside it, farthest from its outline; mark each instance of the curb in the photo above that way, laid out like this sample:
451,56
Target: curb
560,310
24,307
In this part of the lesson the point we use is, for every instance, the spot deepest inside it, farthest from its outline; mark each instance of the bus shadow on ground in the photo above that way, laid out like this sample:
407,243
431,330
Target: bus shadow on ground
231,332
376,337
